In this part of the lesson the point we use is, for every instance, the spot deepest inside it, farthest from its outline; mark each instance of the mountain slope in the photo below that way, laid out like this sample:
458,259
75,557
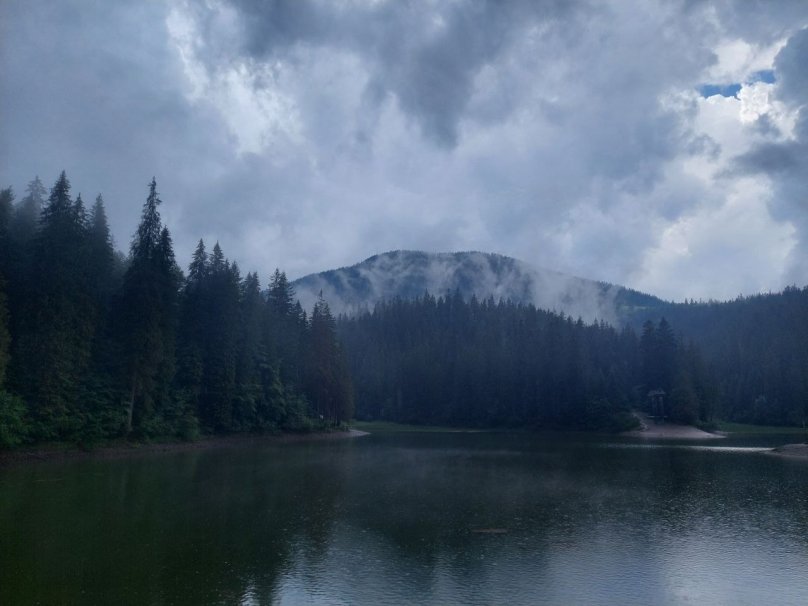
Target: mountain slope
408,274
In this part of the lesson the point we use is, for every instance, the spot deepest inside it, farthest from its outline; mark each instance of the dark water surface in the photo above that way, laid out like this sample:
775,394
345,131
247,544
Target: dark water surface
412,518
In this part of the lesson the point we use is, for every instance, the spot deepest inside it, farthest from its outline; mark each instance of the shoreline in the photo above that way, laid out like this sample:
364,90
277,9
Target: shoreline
125,450
651,430
790,451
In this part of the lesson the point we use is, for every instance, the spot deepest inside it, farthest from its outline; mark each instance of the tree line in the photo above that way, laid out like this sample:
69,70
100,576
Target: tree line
447,360
95,344
755,349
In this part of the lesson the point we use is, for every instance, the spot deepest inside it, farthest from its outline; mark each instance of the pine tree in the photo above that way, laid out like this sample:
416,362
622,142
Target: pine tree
5,335
250,394
26,214
193,320
54,352
221,339
148,312
198,269
648,349
329,386
6,211
667,355
101,265
17,264
286,327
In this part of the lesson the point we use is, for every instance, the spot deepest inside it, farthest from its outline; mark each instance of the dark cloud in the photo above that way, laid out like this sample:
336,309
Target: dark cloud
790,68
87,92
427,57
309,134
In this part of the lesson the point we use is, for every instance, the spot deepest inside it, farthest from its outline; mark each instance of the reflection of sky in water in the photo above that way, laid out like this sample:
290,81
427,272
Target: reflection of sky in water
397,519
593,543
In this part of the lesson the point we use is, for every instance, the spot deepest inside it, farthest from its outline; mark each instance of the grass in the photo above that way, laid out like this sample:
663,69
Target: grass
758,429
386,426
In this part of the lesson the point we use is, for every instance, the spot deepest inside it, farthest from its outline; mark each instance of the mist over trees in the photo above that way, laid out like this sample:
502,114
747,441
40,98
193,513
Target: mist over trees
93,345
756,350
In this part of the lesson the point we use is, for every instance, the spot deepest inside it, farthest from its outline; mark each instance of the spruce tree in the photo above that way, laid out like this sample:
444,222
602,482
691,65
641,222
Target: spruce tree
221,339
328,384
55,348
27,212
250,394
6,211
193,320
286,327
101,254
5,335
148,302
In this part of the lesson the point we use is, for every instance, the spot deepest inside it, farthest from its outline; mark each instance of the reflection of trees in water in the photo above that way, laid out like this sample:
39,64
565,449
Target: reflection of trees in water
423,499
204,527
213,526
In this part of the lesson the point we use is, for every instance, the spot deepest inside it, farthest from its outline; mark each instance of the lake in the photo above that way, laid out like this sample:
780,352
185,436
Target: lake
413,518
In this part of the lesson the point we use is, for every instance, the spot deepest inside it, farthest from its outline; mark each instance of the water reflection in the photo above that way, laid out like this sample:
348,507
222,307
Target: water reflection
395,519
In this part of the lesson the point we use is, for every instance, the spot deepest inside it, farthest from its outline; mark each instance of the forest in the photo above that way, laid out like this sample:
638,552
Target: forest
95,345
756,349
485,363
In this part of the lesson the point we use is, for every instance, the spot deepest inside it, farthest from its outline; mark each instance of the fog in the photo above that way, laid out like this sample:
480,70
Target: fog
410,274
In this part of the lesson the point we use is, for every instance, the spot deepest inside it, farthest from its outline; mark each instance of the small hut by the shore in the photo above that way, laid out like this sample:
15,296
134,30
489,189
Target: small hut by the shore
656,399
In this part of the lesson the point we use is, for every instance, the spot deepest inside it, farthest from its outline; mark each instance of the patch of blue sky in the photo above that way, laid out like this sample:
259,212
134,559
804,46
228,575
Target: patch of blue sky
725,90
732,90
765,75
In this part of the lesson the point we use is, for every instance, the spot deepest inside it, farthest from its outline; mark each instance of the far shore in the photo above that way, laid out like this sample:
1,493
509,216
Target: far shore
651,430
124,449
799,451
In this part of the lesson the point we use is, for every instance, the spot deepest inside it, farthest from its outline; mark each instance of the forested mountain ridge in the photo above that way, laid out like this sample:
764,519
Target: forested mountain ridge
756,347
409,274
95,345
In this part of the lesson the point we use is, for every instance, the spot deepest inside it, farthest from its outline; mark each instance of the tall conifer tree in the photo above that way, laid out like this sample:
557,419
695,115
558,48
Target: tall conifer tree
149,297
60,320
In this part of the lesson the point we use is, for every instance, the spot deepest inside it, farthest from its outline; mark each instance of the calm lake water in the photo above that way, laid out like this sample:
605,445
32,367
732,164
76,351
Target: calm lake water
426,518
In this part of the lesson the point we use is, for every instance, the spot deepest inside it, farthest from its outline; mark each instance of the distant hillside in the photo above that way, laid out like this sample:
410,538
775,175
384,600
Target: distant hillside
756,347
408,274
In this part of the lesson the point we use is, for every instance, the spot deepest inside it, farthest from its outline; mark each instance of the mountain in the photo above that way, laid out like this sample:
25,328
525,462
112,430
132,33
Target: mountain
408,274
755,347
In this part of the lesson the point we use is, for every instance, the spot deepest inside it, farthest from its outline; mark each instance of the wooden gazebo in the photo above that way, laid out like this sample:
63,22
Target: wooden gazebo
656,399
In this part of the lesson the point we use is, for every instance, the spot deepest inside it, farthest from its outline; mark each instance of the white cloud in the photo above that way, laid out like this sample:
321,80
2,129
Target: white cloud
248,96
739,238
737,59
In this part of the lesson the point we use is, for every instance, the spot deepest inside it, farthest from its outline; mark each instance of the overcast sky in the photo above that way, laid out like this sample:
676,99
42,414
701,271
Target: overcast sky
661,145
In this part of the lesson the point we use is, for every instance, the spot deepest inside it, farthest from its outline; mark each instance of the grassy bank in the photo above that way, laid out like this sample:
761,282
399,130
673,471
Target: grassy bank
744,428
121,448
389,427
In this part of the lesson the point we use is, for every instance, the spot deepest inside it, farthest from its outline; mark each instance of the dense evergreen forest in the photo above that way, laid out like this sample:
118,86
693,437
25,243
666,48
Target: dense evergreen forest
482,363
96,345
448,360
756,348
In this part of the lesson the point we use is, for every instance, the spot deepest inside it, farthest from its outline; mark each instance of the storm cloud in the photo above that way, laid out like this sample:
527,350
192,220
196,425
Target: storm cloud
785,161
312,134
